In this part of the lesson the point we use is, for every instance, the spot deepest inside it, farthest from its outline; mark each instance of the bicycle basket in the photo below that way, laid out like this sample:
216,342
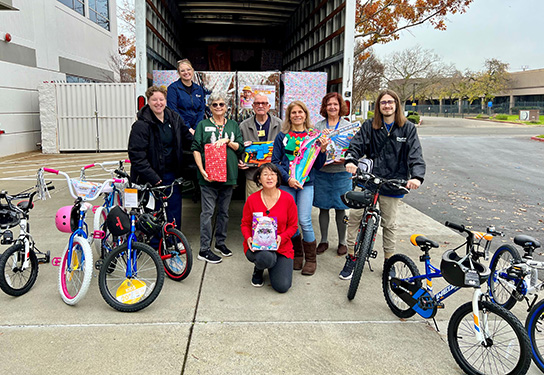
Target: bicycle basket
8,218
463,272
358,199
149,224
118,221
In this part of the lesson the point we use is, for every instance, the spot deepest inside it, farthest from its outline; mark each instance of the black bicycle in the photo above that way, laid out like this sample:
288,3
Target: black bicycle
366,199
19,263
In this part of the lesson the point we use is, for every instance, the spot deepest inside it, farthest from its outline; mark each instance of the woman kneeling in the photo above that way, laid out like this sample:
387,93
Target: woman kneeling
281,220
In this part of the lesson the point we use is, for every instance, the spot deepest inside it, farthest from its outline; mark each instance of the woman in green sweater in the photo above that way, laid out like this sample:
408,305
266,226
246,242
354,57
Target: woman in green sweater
217,130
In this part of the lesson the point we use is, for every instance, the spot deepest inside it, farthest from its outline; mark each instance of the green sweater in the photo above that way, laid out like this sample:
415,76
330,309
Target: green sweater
203,133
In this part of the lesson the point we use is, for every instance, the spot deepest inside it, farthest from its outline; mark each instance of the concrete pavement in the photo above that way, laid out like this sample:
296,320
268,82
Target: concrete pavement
215,322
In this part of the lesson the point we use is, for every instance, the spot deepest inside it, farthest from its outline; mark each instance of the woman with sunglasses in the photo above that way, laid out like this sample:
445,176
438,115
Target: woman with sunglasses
186,97
220,131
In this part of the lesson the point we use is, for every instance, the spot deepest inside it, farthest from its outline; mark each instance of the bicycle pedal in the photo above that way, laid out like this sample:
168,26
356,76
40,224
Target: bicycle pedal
44,258
373,254
440,305
98,264
345,219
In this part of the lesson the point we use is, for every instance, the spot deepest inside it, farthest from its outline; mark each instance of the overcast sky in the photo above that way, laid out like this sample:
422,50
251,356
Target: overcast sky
509,30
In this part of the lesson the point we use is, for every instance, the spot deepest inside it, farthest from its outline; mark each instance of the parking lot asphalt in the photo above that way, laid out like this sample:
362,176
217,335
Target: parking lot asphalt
215,321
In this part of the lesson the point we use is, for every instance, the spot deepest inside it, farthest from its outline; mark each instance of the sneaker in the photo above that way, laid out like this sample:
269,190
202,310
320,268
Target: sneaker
223,250
257,279
209,257
347,271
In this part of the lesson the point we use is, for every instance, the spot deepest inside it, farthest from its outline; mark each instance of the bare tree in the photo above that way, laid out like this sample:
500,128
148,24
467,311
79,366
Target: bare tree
367,75
411,71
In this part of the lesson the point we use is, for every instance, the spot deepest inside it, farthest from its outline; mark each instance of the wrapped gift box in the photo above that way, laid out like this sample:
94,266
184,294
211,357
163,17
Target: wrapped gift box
215,159
266,83
308,87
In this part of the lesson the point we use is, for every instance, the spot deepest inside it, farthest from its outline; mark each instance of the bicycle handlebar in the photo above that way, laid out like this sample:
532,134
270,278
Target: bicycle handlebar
457,227
51,170
379,181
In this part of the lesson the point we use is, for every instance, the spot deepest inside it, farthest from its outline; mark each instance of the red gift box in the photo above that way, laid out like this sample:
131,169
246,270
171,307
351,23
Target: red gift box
216,162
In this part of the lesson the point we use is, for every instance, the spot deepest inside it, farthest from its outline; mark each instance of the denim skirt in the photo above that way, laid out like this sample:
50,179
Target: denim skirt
328,187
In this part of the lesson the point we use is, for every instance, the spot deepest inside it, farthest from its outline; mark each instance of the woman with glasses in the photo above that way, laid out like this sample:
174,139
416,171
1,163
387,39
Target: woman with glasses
286,145
186,97
217,130
270,202
332,180
155,147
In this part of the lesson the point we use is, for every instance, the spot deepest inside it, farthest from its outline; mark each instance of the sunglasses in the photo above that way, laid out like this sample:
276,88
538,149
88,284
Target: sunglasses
220,105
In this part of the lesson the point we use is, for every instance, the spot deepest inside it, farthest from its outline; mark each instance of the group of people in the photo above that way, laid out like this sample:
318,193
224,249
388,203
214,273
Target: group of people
173,121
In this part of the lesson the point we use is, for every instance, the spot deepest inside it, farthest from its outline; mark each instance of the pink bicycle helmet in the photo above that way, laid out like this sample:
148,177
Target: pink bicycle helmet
62,219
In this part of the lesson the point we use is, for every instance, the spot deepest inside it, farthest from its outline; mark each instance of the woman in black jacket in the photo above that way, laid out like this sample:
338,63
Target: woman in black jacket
155,147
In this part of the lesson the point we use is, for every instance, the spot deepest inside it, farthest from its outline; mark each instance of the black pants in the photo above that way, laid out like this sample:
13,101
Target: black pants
280,268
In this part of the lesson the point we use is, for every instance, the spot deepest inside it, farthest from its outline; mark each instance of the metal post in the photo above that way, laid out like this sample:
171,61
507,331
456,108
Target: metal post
141,52
349,50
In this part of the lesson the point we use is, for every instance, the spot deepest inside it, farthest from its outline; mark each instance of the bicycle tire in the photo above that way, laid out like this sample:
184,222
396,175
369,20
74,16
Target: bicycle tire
365,249
150,277
507,349
75,274
503,258
13,280
403,267
535,329
176,254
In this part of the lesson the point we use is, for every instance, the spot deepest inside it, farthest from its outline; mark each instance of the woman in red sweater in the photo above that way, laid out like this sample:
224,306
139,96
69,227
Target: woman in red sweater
271,202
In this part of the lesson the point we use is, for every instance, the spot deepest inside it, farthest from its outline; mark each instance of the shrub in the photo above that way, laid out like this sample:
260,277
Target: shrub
479,115
410,113
414,119
501,117
370,114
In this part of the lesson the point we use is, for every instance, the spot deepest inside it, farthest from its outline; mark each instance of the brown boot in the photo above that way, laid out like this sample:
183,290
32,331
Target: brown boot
342,249
297,246
322,247
311,258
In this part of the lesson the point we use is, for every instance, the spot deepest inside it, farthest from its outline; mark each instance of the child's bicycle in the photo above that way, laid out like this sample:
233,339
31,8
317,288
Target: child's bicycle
514,278
366,199
19,263
484,338
132,275
102,240
76,267
173,247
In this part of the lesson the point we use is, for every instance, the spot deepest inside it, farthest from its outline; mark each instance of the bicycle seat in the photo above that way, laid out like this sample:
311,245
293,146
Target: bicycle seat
25,206
526,241
358,199
423,242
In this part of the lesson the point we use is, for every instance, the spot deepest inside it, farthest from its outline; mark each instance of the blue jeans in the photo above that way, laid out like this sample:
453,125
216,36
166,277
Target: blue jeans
214,196
304,199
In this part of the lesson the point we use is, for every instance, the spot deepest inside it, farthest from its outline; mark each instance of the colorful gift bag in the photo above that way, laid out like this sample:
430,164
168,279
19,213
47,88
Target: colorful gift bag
265,232
216,162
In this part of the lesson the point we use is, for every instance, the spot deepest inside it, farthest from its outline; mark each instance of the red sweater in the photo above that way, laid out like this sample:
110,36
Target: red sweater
285,212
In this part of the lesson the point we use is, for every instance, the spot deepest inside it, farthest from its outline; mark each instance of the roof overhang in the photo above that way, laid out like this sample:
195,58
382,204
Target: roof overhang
6,5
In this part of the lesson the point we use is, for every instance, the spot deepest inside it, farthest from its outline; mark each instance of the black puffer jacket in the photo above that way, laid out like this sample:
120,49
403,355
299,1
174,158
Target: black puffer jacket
145,146
395,155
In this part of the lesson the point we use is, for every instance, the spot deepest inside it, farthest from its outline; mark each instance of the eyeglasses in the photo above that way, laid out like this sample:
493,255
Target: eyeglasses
259,104
215,105
266,175
387,102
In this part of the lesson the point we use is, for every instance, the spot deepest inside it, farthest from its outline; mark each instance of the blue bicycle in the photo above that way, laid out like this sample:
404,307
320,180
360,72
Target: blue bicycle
484,338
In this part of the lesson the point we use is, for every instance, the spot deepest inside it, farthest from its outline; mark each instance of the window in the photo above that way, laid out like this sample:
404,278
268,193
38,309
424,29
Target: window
76,79
77,5
99,12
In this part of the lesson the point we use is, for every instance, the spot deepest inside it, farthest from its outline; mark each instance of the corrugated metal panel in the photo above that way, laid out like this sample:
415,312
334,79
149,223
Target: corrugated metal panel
95,117
116,107
76,105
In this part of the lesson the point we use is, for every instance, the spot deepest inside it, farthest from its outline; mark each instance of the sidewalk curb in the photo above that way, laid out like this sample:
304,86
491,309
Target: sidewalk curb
538,139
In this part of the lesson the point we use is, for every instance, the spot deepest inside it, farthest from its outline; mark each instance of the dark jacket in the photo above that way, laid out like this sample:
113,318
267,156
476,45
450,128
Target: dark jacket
145,145
191,106
395,155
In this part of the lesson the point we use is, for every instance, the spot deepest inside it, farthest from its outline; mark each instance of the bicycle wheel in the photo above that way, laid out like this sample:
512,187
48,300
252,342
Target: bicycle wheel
500,289
76,271
364,249
506,349
176,254
400,267
108,242
130,294
535,329
14,280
